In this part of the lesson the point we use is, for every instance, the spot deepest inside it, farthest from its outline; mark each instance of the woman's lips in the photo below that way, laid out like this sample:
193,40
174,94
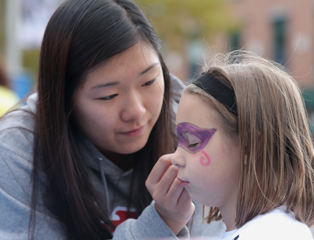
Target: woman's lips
135,132
183,183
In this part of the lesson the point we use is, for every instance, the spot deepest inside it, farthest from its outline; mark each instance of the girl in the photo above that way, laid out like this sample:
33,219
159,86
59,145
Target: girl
245,149
74,159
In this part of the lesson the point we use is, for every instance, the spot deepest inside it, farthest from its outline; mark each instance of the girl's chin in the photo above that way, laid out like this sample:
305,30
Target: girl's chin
132,149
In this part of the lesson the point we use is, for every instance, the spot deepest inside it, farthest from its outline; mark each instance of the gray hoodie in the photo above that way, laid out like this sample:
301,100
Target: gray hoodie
111,183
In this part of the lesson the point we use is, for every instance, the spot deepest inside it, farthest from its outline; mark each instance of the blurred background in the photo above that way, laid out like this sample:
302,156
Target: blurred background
281,30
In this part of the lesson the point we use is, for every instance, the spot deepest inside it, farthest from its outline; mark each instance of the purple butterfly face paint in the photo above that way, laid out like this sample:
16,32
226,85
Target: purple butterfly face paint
192,138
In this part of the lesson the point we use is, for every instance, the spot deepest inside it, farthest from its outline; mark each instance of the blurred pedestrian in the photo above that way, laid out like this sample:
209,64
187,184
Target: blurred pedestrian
8,98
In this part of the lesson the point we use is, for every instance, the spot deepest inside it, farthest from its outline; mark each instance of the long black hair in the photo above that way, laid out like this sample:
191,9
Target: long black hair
80,35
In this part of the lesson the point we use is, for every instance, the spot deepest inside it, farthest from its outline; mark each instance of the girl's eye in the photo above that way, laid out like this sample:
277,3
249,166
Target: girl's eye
149,82
192,140
108,97
193,145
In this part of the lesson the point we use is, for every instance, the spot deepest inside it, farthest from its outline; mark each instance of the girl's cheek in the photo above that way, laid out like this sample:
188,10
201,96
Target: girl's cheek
204,159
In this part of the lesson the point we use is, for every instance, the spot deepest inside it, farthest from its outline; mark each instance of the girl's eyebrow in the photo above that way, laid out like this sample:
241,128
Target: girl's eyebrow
149,68
103,85
191,124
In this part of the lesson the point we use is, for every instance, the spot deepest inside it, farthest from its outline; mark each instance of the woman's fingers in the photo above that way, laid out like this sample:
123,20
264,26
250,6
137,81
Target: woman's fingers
185,203
166,182
163,185
159,169
172,201
174,192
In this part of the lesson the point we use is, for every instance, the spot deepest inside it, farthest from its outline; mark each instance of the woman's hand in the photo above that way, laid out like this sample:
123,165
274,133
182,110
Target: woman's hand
172,201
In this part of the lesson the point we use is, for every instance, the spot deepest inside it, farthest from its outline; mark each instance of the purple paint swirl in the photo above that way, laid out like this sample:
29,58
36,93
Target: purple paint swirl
192,138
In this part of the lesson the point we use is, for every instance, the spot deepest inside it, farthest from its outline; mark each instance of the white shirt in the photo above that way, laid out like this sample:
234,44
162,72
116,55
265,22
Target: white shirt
275,225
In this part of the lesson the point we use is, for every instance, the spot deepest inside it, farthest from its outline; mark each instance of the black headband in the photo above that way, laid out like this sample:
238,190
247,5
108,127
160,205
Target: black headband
218,90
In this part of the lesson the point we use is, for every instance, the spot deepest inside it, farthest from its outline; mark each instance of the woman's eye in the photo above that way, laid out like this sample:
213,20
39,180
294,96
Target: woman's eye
193,145
149,82
108,97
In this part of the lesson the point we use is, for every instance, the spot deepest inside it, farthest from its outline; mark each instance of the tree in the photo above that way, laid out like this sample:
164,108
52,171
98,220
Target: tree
2,26
179,21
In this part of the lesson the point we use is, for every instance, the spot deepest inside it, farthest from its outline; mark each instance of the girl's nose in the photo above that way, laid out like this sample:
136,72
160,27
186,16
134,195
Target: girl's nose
133,108
177,158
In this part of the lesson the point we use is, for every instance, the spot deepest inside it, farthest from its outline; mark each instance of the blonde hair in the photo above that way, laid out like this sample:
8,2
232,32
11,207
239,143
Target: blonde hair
272,126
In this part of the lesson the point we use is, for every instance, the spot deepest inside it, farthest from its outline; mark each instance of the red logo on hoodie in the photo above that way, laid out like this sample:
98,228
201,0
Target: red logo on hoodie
120,214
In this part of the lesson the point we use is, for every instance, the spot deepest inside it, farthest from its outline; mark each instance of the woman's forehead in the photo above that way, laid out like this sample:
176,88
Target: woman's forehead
138,61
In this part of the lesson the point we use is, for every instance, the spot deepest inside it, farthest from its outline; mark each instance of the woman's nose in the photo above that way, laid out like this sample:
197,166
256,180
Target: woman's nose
177,158
133,108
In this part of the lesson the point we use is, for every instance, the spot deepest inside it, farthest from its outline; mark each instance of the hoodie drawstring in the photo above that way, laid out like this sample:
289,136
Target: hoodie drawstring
104,181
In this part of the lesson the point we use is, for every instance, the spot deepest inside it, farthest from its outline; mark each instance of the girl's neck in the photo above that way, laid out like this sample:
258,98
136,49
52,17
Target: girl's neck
228,213
123,161
230,224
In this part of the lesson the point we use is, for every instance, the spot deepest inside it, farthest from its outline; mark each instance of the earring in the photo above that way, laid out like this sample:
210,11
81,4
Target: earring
245,160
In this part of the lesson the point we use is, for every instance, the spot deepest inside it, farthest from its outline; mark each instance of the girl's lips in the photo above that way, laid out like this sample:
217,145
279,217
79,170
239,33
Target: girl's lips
135,132
183,183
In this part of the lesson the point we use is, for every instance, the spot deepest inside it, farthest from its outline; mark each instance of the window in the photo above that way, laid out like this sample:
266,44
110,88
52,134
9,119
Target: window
234,40
279,39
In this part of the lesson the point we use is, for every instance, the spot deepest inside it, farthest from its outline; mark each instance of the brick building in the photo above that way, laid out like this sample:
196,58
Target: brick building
282,30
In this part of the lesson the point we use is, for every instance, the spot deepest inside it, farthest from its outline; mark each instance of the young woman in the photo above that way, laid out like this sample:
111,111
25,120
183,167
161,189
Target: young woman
74,159
245,149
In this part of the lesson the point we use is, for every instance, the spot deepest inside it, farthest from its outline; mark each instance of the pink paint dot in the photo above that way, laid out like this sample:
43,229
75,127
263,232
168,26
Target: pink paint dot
203,161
